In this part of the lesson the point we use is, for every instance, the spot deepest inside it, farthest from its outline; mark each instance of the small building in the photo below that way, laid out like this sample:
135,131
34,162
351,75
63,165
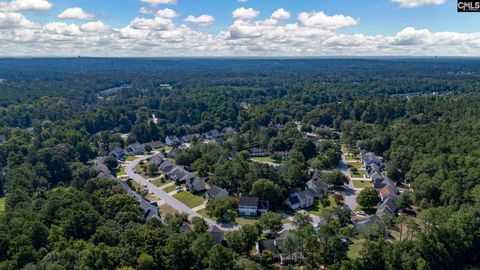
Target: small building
172,140
166,166
373,168
135,149
387,207
156,160
195,185
257,152
118,153
216,234
317,184
274,247
216,192
248,206
302,199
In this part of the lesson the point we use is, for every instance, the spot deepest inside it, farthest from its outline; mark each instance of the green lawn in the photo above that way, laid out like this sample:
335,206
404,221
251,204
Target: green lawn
170,188
131,158
120,171
318,209
151,197
355,247
2,205
158,182
361,184
165,148
357,165
264,159
244,221
359,174
203,212
368,211
189,199
166,210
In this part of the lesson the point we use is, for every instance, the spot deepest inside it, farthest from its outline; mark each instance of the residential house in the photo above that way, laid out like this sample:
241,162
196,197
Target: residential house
212,135
165,86
380,183
135,149
172,140
274,247
387,207
118,153
257,152
302,199
373,168
156,160
196,184
388,191
317,184
216,234
166,166
369,158
155,144
248,206
216,192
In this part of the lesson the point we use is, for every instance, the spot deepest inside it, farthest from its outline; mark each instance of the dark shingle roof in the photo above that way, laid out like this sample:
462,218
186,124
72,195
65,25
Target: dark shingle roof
214,190
248,201
216,234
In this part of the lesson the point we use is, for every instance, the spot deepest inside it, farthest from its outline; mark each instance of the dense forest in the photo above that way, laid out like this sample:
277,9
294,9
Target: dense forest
421,115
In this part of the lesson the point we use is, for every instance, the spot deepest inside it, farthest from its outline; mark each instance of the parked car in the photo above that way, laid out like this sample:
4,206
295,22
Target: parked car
179,189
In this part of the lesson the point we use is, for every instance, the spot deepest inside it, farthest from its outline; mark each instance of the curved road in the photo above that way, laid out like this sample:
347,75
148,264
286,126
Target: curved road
162,195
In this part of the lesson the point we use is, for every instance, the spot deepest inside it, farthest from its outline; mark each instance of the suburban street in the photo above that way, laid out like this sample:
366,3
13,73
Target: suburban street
162,195
349,190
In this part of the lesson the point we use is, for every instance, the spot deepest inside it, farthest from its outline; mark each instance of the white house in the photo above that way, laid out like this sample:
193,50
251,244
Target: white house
302,199
248,206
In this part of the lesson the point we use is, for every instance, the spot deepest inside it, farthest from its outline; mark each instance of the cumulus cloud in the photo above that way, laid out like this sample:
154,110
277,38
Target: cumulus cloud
202,20
320,19
417,3
11,20
23,5
280,14
167,13
94,27
76,13
159,2
245,13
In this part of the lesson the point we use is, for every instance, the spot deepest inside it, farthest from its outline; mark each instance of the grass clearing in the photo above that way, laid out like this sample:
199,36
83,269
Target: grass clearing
357,165
170,188
358,173
2,205
355,247
265,159
131,158
189,199
159,183
120,171
152,197
165,148
166,210
318,209
244,221
361,184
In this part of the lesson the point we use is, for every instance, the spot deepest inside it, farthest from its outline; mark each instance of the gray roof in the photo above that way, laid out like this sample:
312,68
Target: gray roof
216,234
215,190
305,195
167,166
268,245
390,204
248,201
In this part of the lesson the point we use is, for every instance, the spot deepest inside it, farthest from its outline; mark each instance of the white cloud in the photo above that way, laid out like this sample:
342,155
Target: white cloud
320,19
22,5
245,13
61,28
167,13
417,3
145,10
280,14
202,20
76,13
11,20
159,2
94,27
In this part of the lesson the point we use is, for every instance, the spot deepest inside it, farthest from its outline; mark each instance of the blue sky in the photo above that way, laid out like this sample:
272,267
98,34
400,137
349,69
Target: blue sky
309,27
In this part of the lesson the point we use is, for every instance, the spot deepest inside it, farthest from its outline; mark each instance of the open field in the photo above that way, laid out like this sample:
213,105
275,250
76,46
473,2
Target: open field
265,159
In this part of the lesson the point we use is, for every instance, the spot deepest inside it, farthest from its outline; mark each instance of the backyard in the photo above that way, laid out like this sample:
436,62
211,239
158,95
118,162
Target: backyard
319,210
120,171
159,182
265,159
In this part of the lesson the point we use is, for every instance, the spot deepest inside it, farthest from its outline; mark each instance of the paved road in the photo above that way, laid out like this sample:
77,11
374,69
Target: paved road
158,192
348,190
